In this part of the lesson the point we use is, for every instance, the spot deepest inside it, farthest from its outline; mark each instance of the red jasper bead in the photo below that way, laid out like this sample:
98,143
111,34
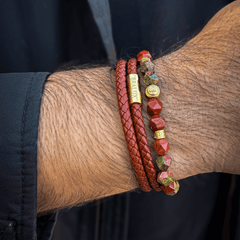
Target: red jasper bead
143,54
161,146
157,123
154,106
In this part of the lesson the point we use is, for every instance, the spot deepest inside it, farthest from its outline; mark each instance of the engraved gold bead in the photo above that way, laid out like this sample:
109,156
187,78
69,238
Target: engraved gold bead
153,91
159,134
134,93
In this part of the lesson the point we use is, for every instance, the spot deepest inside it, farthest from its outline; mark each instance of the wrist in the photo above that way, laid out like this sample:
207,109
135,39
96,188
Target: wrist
187,115
202,119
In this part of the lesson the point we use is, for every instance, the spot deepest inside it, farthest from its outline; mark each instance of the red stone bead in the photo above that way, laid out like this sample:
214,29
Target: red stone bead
143,54
161,146
154,106
157,123
172,189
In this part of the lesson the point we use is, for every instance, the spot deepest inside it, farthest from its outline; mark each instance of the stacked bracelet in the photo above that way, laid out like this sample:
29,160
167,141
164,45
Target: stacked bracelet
136,138
157,124
136,110
127,124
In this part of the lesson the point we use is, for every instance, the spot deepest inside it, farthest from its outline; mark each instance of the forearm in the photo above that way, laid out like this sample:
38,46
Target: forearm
82,149
82,153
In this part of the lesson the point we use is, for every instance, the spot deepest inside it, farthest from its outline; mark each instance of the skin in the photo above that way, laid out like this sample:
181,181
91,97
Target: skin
82,153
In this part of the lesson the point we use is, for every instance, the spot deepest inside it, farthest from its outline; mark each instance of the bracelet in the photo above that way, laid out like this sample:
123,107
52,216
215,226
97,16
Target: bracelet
157,124
136,111
127,124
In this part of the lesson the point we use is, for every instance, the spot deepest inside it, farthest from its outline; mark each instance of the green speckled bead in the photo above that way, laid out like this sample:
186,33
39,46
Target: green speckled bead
147,66
144,59
165,178
163,162
172,189
150,78
176,188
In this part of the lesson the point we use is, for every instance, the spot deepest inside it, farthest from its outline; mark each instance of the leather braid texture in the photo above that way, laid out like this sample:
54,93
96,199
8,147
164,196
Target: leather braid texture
139,126
124,110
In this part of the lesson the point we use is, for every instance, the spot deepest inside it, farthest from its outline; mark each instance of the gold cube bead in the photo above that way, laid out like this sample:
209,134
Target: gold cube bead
153,91
133,86
159,134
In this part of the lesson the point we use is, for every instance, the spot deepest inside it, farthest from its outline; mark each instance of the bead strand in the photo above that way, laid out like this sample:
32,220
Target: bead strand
157,124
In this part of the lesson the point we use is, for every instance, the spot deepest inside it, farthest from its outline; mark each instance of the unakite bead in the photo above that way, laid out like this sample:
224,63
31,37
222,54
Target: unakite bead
165,178
163,162
147,66
150,77
144,59
172,189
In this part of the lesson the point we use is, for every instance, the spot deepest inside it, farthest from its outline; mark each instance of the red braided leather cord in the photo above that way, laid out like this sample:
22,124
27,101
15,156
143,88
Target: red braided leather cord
123,104
139,126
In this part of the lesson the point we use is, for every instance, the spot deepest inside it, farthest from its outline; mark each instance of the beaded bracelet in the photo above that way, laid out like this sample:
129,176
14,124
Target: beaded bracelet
157,124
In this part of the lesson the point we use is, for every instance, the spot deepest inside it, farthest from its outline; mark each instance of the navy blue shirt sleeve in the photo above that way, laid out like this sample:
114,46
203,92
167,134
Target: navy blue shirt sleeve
20,99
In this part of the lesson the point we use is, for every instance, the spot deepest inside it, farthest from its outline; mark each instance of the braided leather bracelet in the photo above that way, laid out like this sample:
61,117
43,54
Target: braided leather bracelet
127,124
139,126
